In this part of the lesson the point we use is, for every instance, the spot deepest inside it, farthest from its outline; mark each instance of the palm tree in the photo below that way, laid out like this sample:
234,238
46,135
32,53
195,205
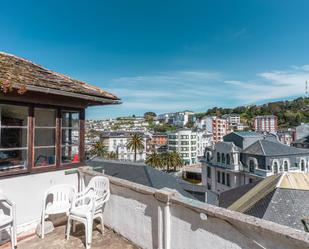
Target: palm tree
176,160
167,160
112,155
98,149
135,143
154,160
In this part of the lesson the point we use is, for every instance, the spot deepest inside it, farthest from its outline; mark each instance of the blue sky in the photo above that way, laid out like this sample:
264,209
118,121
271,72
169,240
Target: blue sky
167,55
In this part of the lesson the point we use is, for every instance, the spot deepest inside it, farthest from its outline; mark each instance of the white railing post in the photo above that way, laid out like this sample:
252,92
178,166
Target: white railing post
164,217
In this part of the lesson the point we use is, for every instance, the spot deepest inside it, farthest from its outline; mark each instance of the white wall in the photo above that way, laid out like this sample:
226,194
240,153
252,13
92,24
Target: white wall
133,212
27,192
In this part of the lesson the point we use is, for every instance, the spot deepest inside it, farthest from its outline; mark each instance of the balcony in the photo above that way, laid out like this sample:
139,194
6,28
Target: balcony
146,217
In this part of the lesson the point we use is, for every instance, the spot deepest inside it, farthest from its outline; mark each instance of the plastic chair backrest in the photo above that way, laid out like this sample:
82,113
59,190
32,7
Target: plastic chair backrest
100,184
62,193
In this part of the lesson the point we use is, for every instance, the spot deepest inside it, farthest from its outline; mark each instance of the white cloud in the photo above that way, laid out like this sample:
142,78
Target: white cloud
273,85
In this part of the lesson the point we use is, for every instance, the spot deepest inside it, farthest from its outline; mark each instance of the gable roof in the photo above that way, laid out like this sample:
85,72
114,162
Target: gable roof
20,72
266,147
281,198
142,174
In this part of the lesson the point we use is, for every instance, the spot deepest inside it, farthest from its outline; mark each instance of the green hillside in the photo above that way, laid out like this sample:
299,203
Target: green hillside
289,113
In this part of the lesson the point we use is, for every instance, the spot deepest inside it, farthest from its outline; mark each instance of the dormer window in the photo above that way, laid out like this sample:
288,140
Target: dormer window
223,157
286,165
302,165
251,165
275,167
228,159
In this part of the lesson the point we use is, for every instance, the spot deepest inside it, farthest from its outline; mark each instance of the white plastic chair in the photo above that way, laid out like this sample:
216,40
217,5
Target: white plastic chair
57,200
88,206
8,221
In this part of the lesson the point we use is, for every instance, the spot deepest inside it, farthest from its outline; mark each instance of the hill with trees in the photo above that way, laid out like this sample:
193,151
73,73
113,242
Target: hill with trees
289,113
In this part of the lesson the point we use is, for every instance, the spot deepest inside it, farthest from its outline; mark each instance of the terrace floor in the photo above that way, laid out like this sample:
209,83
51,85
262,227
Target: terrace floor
56,240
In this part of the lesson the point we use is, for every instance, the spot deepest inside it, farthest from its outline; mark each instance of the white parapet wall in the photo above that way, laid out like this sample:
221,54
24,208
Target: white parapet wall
156,219
164,219
27,192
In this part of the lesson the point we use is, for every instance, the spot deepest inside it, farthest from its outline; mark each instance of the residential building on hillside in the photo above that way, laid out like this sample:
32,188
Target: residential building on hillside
179,119
266,123
220,128
301,143
233,119
157,140
244,157
184,141
204,140
204,123
117,142
286,136
281,198
301,131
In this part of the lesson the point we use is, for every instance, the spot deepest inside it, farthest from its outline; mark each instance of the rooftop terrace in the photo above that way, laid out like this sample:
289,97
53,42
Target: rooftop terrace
56,240
148,218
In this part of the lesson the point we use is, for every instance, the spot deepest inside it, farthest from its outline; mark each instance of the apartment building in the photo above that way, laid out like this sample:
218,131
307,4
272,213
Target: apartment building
233,119
184,141
245,157
220,127
179,119
266,123
117,142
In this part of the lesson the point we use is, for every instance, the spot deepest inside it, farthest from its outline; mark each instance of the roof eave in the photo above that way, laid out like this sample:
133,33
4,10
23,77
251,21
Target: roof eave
94,100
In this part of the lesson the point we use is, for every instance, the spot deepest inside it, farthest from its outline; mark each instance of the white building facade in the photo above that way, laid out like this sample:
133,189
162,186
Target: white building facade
184,141
235,163
117,143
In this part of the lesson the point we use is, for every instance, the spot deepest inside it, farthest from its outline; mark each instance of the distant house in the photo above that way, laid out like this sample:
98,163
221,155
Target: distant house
281,198
42,117
245,157
301,143
117,142
266,123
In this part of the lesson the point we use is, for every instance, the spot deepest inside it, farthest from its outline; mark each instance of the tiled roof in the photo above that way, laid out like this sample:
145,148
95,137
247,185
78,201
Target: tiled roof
266,147
20,72
142,174
282,198
247,133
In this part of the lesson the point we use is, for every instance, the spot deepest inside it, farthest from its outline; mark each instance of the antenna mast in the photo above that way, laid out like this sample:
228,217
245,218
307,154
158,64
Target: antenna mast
306,89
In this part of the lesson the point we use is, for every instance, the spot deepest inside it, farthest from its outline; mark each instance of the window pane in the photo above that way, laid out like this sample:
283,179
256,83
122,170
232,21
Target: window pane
70,119
13,137
44,137
44,156
12,115
70,137
13,159
70,154
45,117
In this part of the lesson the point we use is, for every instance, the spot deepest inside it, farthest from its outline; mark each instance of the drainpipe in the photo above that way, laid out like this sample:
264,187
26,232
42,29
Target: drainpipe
163,197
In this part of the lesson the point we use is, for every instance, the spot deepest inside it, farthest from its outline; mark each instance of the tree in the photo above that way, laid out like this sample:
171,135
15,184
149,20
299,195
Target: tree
167,160
154,160
98,149
171,160
176,160
135,143
112,155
